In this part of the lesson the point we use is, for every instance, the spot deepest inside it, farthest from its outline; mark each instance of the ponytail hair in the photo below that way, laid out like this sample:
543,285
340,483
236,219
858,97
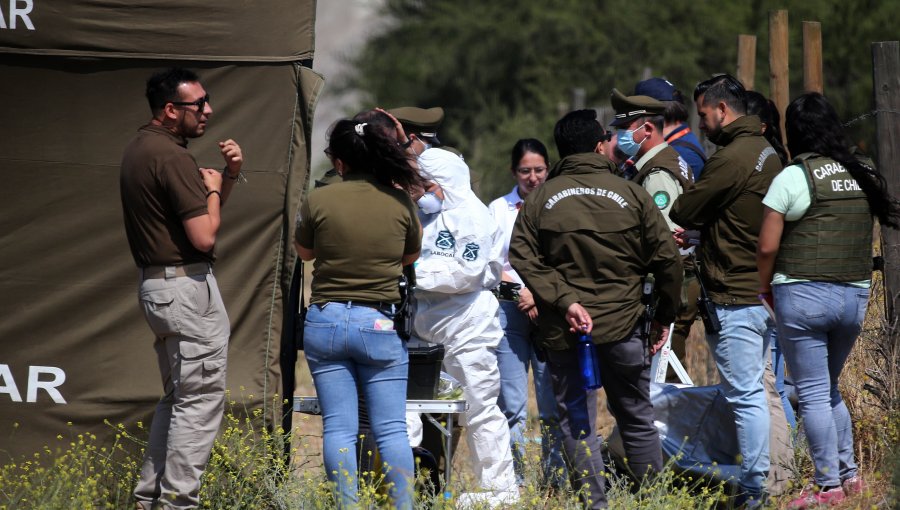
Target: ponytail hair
812,125
765,109
365,148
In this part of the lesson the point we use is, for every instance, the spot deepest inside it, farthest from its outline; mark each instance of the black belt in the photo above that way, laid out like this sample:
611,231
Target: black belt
381,306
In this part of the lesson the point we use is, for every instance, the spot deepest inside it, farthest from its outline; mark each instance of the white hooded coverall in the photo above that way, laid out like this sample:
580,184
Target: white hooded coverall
461,261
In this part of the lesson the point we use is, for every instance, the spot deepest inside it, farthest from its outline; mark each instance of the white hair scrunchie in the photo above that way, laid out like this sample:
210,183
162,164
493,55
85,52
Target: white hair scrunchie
359,128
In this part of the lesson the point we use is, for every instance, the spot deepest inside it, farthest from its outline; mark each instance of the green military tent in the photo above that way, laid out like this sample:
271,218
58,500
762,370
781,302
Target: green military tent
73,344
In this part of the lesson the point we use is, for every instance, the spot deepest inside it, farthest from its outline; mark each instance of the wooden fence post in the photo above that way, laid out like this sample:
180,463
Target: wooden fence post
886,86
746,64
779,87
812,57
579,97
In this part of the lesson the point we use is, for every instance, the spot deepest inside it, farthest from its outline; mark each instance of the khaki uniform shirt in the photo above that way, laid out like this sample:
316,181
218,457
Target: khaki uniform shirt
587,236
662,186
725,204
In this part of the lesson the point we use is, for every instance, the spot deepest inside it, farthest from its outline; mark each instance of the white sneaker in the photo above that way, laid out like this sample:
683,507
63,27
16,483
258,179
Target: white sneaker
509,497
473,500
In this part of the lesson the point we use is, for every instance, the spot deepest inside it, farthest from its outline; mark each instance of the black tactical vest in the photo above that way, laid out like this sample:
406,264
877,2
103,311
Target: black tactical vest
833,240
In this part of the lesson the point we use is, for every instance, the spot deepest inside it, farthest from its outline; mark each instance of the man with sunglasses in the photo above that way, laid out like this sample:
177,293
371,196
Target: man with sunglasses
172,216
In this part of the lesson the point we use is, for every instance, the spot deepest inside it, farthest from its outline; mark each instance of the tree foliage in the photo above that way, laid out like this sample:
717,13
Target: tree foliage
505,70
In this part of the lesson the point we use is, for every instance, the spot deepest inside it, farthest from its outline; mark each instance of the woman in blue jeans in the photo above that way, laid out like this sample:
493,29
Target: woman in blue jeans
360,232
815,263
529,164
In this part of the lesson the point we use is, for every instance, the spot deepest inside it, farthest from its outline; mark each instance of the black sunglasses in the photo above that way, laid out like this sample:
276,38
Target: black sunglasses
607,136
200,103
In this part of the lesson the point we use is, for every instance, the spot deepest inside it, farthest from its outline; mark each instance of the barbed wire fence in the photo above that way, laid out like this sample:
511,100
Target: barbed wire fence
867,115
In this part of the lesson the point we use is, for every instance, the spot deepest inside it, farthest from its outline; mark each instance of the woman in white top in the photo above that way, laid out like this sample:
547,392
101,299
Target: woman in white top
529,166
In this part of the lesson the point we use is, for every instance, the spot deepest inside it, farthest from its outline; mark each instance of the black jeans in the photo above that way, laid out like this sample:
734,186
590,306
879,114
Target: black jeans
625,372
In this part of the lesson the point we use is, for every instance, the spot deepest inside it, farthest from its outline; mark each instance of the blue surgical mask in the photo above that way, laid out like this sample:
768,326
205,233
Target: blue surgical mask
425,147
625,141
429,203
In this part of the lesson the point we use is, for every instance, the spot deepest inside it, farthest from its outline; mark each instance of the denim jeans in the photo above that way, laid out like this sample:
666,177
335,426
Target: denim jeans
346,349
514,353
740,350
818,323
778,367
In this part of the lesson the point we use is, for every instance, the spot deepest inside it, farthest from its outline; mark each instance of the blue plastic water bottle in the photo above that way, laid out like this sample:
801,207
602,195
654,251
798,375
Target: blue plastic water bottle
588,362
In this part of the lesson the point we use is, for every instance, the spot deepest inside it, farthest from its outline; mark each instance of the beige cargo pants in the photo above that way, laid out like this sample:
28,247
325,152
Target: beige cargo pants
188,317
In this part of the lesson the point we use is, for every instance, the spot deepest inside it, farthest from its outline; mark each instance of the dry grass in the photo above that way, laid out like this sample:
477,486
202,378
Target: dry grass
309,428
870,385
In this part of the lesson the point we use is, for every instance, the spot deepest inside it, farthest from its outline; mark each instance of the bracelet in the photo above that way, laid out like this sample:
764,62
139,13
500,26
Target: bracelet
217,192
239,177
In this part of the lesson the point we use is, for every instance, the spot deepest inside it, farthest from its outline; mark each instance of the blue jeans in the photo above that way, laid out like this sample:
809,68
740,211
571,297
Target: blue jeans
740,350
514,353
346,349
778,368
818,323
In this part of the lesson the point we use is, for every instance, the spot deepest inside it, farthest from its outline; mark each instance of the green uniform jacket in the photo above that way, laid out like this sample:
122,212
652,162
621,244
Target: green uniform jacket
725,204
589,237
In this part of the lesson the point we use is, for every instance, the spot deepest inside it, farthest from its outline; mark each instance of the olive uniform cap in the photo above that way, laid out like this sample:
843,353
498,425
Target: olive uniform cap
629,108
419,120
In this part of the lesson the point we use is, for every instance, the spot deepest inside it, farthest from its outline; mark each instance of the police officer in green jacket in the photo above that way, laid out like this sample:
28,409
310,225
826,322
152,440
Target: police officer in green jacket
665,175
660,170
583,242
725,204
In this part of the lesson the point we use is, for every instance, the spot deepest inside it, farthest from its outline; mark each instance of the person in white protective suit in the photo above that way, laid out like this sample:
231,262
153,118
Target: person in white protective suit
460,263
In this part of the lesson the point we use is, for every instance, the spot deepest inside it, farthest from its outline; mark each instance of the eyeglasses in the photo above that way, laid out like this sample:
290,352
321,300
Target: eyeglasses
525,170
607,136
200,103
